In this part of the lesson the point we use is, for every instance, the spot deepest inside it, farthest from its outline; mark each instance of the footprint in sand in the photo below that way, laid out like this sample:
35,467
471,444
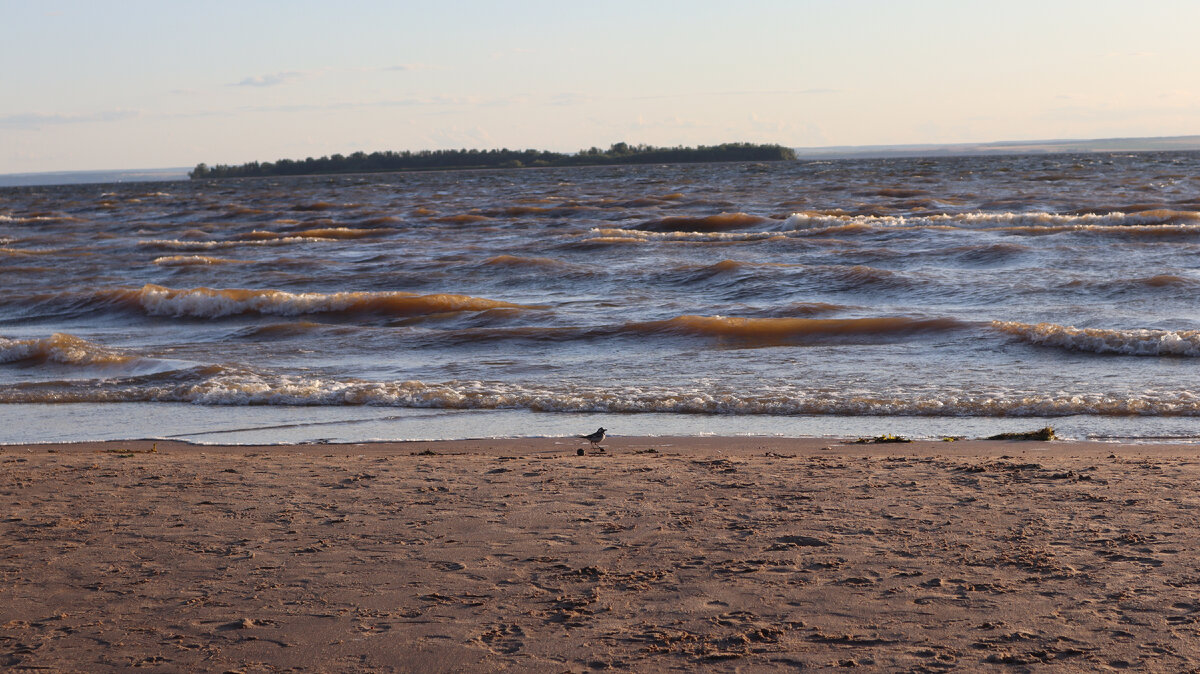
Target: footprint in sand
503,639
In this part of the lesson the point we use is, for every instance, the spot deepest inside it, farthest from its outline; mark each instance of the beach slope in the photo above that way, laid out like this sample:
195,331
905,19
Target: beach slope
746,554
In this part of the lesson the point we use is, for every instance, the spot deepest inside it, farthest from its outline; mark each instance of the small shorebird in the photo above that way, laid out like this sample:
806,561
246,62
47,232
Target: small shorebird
595,438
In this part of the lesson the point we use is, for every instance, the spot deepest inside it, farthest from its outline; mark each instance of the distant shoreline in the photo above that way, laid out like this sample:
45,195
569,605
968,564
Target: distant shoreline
427,160
1006,147
825,153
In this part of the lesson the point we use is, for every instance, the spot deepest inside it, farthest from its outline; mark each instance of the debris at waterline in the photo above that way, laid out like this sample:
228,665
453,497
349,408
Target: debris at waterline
1045,434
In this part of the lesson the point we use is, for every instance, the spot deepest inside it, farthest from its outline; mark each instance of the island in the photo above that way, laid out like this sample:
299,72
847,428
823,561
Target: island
432,160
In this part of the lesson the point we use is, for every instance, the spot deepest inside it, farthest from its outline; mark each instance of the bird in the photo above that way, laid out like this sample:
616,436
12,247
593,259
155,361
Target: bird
595,438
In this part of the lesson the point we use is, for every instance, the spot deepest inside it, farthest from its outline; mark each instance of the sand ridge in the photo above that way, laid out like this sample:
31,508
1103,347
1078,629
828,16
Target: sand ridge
662,554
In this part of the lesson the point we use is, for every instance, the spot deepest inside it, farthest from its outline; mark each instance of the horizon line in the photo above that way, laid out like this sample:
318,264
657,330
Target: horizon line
1039,146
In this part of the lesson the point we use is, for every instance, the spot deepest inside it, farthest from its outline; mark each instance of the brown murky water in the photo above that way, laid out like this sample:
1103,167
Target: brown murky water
988,288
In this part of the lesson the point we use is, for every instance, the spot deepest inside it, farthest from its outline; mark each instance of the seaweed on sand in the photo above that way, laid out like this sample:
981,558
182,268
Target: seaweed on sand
1042,434
881,439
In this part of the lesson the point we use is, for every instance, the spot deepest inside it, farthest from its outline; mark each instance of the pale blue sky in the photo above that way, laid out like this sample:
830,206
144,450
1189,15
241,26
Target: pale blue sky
103,84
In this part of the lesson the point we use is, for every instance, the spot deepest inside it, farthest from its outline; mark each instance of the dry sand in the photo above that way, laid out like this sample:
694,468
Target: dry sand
663,554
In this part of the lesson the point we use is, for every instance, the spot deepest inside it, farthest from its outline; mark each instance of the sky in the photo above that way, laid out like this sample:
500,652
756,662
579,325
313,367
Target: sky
128,84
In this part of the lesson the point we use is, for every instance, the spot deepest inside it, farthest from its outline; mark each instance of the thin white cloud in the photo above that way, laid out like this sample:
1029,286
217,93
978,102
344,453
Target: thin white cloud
416,101
34,120
271,80
431,104
435,103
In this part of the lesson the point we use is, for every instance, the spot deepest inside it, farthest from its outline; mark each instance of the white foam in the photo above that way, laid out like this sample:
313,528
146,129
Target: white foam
215,303
1136,342
1190,220
181,244
58,348
243,388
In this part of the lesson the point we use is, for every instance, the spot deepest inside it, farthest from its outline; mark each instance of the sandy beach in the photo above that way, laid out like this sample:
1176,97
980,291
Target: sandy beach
661,554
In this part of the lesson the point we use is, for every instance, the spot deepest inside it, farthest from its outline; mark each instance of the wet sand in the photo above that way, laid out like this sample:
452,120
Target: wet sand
662,554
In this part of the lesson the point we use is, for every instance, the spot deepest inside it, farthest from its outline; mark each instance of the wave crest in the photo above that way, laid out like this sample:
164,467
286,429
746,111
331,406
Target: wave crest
767,331
59,348
1158,221
192,260
219,387
523,262
215,303
83,359
1096,340
709,223
269,239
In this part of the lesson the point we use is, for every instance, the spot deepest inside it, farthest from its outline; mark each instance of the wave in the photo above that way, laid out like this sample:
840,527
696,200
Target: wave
183,244
62,349
331,233
1149,222
861,276
215,303
276,331
987,254
1095,340
522,262
1157,282
1165,281
771,331
28,252
725,272
765,279
603,235
219,387
727,331
462,219
38,219
192,260
710,223
59,348
803,309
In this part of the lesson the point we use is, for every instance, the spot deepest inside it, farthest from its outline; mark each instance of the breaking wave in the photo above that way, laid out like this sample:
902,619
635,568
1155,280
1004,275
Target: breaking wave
603,235
192,260
68,350
1149,222
226,388
59,348
215,303
275,240
1096,340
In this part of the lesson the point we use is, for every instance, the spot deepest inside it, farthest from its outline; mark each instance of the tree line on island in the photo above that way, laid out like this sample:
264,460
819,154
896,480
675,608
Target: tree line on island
431,160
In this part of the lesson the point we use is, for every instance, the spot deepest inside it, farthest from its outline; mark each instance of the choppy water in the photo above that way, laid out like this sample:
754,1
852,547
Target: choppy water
805,297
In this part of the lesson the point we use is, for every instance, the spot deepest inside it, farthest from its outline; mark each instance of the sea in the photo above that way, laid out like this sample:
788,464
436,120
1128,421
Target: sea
925,297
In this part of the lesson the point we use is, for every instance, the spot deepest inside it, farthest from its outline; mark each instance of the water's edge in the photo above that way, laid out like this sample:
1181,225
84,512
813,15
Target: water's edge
272,425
